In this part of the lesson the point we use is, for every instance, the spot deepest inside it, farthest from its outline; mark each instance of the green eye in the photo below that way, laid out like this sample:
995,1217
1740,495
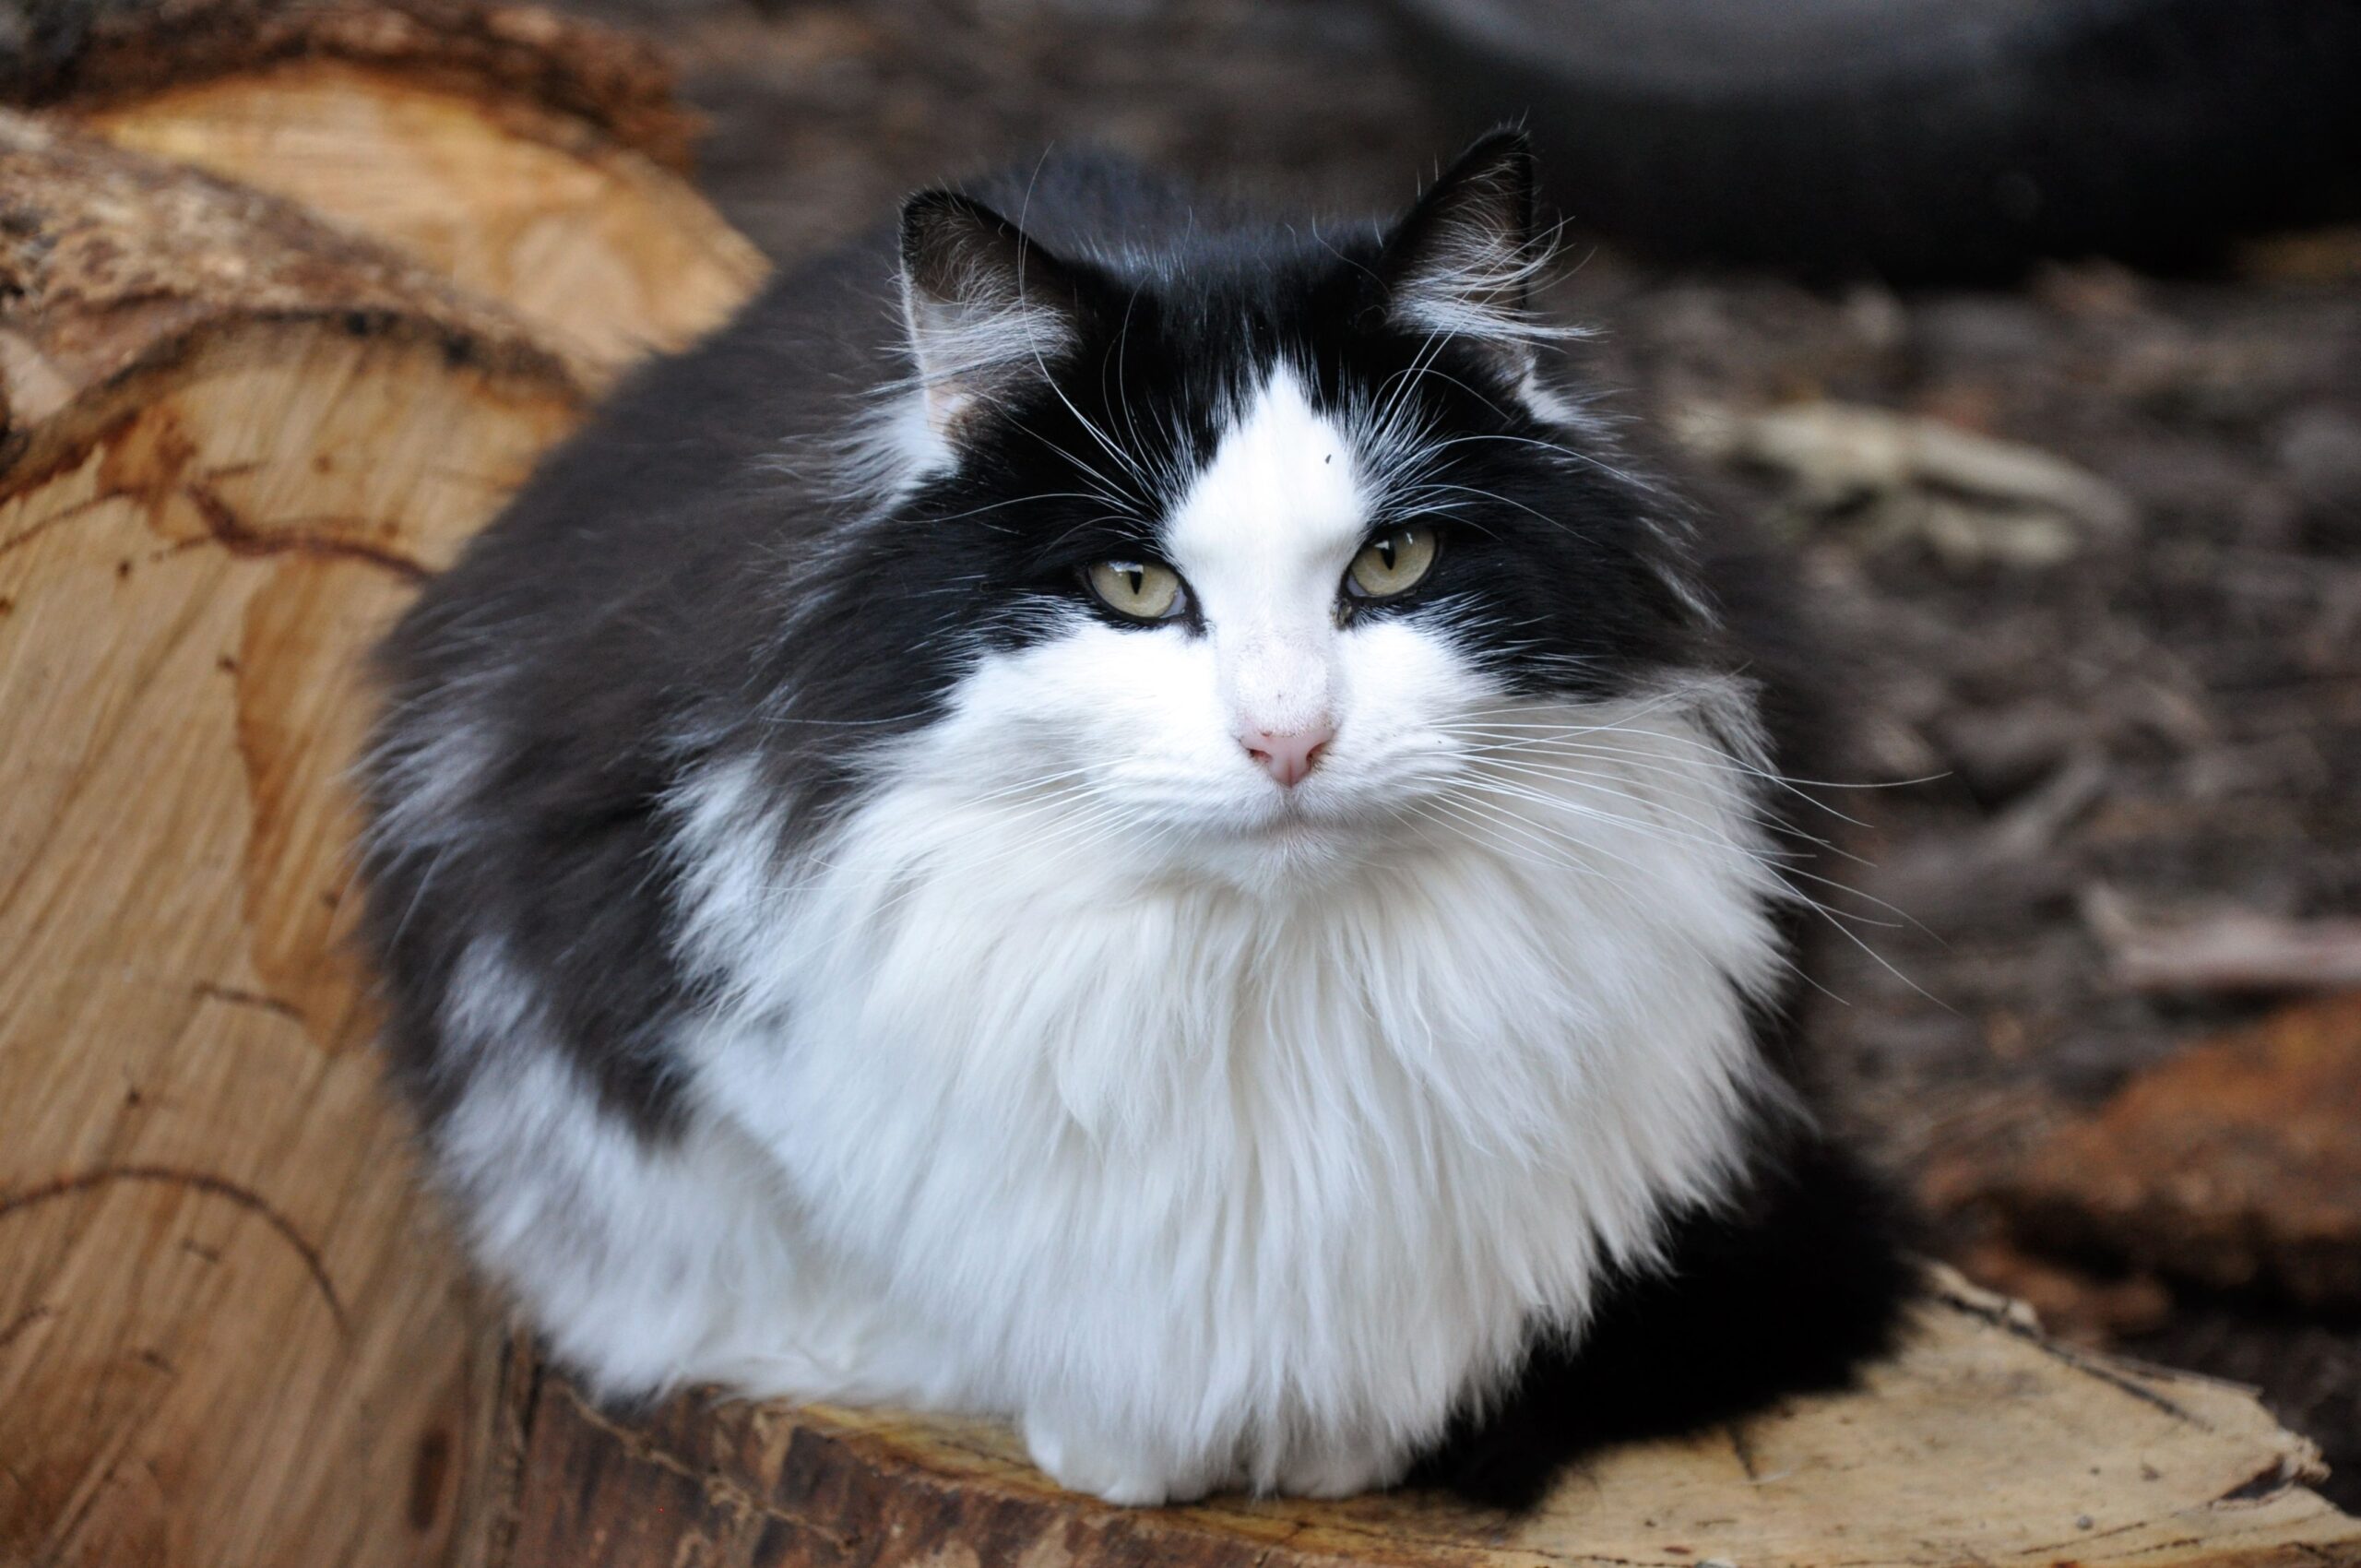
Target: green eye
1141,589
1390,563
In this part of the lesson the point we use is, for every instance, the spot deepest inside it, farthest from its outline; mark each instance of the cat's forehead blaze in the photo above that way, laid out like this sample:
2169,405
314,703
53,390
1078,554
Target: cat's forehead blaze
1265,525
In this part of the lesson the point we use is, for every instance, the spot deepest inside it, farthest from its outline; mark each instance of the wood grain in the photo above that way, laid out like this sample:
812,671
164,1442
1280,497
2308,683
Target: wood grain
236,440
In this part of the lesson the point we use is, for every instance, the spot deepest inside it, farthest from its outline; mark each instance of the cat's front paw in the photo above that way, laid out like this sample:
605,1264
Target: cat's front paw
1342,1471
1113,1471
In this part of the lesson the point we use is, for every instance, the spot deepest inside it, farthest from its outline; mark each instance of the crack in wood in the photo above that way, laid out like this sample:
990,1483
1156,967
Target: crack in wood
516,1409
2269,1482
27,534
237,998
2032,1336
195,1181
225,528
1743,1449
715,1485
241,538
24,1320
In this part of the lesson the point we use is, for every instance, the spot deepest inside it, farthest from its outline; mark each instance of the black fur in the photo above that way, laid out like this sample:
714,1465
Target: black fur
1786,1290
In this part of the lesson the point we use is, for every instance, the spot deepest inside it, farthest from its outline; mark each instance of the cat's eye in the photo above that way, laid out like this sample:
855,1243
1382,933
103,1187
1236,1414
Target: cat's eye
1392,563
1142,589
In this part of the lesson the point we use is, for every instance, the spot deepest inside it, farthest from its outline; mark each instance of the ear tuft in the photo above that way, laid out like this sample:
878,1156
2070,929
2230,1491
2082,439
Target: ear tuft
985,306
1463,262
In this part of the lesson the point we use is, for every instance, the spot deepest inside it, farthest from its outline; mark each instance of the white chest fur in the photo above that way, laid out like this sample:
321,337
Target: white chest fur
1204,1177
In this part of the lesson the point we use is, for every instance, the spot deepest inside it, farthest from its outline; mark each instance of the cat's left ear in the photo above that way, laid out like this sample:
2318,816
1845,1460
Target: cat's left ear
986,307
1463,262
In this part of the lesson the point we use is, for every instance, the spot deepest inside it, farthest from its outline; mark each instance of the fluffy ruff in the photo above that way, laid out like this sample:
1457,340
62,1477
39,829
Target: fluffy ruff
1209,1186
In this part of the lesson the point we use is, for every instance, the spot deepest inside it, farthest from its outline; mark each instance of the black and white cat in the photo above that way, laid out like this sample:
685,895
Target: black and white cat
1111,814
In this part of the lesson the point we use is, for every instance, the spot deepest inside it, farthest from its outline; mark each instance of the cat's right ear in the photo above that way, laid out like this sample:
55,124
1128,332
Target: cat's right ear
986,308
1463,261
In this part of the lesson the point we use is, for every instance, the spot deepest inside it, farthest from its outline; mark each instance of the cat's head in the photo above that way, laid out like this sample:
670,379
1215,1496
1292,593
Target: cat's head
1243,553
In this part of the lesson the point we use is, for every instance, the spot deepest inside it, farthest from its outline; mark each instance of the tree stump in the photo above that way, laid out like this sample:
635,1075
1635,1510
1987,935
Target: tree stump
1983,1445
522,155
232,440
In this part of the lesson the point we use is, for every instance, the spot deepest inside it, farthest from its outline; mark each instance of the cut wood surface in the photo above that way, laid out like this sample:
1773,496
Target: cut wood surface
1983,1445
528,157
232,440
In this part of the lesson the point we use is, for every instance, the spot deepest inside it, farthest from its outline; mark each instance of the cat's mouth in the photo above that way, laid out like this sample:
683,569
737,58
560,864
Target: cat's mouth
1302,818
1291,822
1288,846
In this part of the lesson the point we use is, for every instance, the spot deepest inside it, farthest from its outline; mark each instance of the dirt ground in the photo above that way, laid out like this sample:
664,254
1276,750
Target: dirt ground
2142,707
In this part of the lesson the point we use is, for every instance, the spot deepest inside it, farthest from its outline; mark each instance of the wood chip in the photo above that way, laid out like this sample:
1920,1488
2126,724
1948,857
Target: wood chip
2226,950
2234,1165
1972,498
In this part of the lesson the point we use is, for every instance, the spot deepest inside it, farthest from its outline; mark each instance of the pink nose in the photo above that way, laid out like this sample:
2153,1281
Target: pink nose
1288,757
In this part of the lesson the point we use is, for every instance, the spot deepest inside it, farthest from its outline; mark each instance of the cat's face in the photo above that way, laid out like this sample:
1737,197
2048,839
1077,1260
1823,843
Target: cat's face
1261,568
1229,687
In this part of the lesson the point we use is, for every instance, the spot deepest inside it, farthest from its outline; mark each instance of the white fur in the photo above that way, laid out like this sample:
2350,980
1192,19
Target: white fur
1477,289
1474,277
1219,1133
971,329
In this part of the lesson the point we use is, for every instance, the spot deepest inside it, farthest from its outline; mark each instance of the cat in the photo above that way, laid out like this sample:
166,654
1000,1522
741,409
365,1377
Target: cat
1119,815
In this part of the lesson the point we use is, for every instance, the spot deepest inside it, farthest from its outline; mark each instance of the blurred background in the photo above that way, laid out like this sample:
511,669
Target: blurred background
2036,324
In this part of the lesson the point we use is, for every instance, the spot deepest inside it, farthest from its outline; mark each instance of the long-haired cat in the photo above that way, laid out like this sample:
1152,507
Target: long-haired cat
1116,814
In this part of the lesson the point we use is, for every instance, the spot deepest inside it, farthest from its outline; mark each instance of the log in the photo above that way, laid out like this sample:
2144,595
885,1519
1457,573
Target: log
1984,1445
531,158
232,441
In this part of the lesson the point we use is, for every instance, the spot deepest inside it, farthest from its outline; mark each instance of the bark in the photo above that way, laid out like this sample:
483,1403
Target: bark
91,54
534,159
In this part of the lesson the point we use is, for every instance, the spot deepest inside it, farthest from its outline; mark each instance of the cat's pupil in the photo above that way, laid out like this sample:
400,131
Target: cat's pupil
1385,551
1136,576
